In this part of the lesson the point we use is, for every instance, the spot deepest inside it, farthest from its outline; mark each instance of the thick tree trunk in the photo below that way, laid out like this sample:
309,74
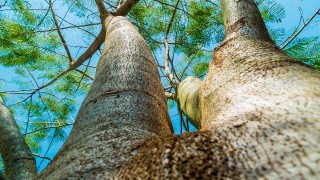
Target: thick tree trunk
18,161
259,112
124,108
262,102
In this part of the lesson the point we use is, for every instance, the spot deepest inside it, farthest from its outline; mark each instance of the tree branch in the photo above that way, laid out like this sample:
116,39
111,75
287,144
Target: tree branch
49,127
170,76
85,74
300,30
102,10
43,157
59,33
125,8
68,27
98,41
170,95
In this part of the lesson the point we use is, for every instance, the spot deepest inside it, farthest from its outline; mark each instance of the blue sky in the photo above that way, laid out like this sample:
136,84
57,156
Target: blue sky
292,7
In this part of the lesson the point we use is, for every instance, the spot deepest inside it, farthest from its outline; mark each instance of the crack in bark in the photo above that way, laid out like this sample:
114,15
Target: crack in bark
237,25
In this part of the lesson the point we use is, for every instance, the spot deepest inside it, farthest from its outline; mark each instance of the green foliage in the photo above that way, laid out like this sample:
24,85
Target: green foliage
35,53
21,8
200,69
16,45
306,50
271,11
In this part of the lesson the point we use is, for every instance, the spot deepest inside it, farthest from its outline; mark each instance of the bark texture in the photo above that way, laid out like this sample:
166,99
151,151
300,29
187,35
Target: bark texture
124,108
18,160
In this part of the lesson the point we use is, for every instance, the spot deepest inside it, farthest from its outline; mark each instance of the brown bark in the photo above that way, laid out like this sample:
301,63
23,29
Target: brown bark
18,160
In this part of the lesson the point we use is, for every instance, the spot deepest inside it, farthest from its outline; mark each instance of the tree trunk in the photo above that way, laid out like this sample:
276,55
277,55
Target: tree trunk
259,112
18,160
124,108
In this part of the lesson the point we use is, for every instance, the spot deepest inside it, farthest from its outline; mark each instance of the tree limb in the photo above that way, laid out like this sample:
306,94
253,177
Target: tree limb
170,95
43,157
85,74
170,76
59,33
125,8
98,41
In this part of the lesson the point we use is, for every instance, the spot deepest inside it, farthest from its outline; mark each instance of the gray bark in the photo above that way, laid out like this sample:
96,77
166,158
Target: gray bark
18,160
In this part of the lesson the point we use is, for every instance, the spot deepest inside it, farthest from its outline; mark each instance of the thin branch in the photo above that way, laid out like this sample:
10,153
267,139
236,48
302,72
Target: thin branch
35,122
163,3
50,144
182,123
28,116
49,127
20,9
69,27
59,33
41,87
53,80
111,5
301,29
79,27
197,50
170,76
98,41
85,74
43,157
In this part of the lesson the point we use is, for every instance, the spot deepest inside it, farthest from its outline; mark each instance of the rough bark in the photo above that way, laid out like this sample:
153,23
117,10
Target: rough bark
124,108
18,160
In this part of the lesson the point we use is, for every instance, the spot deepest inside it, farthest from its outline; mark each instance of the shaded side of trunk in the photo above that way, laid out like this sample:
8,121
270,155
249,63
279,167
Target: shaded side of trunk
124,108
18,160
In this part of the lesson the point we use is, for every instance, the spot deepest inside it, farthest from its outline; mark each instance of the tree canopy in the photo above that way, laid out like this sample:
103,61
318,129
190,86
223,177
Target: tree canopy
51,49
